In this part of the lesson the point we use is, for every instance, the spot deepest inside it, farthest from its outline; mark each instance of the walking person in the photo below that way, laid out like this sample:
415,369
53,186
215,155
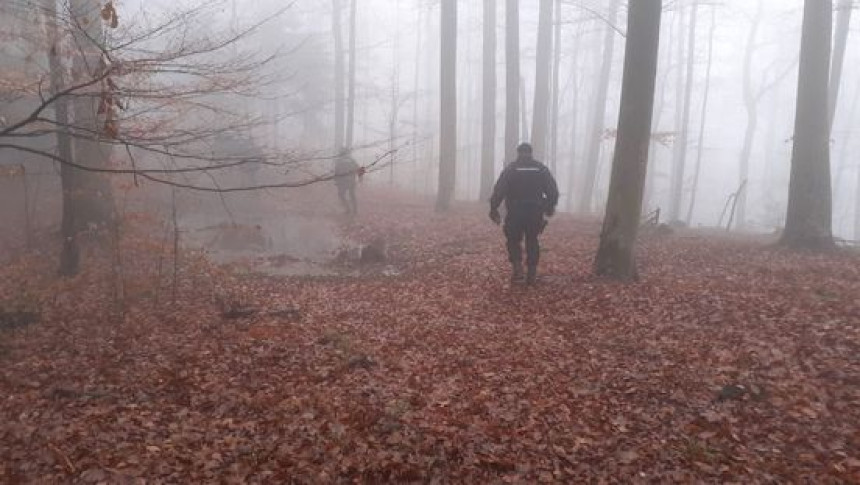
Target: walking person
530,194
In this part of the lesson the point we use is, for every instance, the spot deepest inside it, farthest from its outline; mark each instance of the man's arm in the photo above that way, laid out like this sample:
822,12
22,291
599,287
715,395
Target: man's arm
500,191
551,193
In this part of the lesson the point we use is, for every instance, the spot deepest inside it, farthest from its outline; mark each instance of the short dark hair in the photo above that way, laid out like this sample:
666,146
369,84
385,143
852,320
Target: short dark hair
524,148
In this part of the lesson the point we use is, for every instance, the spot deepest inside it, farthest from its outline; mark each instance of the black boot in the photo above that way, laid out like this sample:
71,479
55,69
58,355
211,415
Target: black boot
517,276
531,276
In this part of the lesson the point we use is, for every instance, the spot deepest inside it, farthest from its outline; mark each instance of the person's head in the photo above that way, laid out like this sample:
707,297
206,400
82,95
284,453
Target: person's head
524,150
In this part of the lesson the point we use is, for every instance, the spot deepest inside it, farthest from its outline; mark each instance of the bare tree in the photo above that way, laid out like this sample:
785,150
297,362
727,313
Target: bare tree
555,88
843,24
353,61
598,113
808,222
679,155
540,112
615,255
339,83
703,122
448,109
512,78
488,114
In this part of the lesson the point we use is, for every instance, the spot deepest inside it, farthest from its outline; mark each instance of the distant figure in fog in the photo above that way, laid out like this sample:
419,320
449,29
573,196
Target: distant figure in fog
346,174
529,192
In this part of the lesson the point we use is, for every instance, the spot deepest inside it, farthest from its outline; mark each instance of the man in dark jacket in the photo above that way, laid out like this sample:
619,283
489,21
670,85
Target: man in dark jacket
530,192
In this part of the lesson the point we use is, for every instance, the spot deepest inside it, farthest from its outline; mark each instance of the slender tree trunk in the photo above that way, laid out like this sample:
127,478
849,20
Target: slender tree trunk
416,87
843,23
448,111
488,113
556,88
679,156
337,32
524,113
598,114
350,104
574,122
701,148
808,221
751,107
615,255
540,112
512,79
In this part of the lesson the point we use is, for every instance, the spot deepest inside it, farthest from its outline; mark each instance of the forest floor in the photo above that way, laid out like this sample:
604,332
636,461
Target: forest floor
730,361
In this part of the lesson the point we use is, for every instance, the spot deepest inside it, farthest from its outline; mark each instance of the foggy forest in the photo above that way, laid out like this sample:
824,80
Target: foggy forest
429,241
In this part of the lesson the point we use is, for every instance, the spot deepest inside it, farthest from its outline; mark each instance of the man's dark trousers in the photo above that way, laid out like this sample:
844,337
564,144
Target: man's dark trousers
524,221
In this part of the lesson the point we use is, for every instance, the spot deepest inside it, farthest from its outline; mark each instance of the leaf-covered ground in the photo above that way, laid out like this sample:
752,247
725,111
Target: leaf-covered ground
731,361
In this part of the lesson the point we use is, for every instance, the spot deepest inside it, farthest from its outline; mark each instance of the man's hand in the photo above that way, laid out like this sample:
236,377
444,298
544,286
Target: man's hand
495,216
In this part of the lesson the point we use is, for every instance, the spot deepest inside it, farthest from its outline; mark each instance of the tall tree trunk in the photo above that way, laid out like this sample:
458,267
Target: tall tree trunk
808,221
488,112
92,191
540,112
350,103
598,114
574,124
69,254
512,79
448,109
679,156
524,112
556,88
843,23
337,32
615,255
701,148
751,107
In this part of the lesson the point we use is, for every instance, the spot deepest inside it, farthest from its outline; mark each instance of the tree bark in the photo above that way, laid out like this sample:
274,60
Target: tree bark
512,79
751,107
540,111
488,113
556,88
598,114
448,109
337,32
615,255
70,253
679,156
350,104
705,98
808,222
843,23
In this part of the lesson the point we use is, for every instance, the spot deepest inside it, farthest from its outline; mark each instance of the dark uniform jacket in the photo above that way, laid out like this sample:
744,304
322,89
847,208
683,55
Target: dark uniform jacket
345,172
525,185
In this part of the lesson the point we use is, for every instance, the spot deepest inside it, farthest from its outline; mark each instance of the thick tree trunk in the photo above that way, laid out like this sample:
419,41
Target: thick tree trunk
843,23
448,109
540,112
701,148
488,112
808,222
598,114
615,255
337,32
556,88
679,156
512,79
350,99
